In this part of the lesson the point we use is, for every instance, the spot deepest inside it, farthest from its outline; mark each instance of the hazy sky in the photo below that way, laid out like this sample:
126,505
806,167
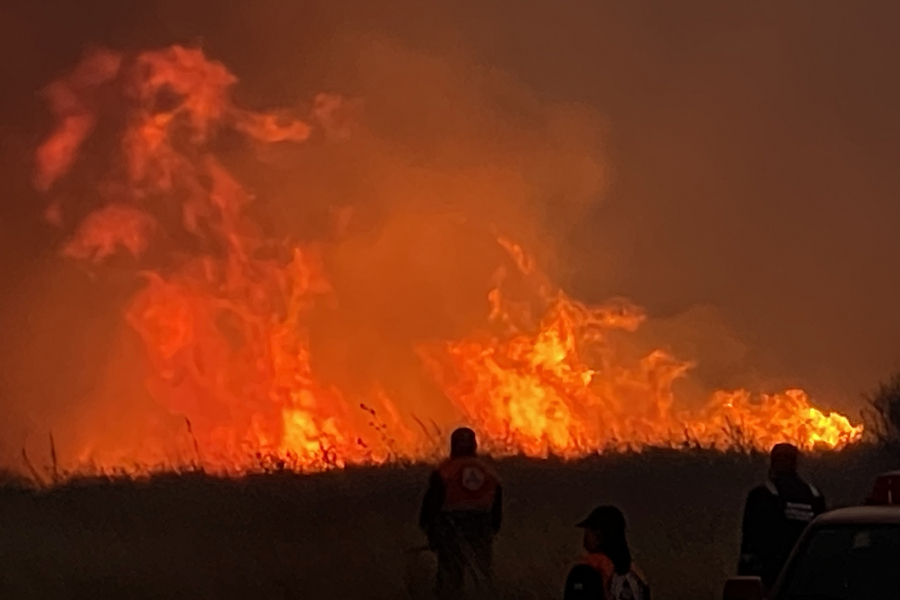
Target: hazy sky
756,150
753,147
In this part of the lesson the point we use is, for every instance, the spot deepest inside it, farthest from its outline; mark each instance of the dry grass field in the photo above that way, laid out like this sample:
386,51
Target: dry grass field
351,533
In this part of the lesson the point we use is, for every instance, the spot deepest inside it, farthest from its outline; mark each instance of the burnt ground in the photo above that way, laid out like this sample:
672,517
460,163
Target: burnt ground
348,534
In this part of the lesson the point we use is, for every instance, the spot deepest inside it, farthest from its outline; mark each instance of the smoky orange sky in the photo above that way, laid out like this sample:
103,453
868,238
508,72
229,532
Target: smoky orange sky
741,183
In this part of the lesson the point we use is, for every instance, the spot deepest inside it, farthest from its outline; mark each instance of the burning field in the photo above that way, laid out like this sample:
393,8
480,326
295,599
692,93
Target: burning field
293,265
277,318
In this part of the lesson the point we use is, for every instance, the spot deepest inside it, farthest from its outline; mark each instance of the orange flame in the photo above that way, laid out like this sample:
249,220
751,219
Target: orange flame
226,330
564,390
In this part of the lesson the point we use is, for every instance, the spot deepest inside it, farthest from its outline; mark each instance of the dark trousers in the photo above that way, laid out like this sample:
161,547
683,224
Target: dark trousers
456,560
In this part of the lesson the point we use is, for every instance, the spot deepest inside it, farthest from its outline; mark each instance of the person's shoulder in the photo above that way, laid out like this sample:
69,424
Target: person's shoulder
448,464
488,465
816,493
764,490
453,466
800,487
485,463
802,481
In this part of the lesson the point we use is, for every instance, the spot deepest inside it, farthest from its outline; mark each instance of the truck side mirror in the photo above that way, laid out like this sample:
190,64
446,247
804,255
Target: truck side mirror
743,588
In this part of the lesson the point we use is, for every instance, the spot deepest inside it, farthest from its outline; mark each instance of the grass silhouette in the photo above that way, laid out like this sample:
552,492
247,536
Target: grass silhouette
351,533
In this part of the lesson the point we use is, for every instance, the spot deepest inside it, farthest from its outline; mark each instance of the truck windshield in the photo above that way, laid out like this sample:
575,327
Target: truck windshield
846,562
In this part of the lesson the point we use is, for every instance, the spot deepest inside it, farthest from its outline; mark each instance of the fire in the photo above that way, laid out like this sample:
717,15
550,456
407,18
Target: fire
224,312
536,393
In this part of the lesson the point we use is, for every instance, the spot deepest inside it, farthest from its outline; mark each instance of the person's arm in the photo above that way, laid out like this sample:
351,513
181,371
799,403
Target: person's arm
642,580
819,505
752,531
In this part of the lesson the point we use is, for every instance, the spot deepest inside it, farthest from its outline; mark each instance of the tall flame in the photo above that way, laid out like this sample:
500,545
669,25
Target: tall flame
225,325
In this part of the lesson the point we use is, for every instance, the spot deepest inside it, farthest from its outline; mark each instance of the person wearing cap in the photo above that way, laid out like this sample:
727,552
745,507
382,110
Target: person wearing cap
461,514
775,515
607,571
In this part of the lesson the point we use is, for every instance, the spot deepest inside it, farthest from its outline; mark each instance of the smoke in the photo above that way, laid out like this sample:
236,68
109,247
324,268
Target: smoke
729,168
445,156
405,187
752,149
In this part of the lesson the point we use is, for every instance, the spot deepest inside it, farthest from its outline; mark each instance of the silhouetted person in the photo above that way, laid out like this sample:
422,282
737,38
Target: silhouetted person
776,514
607,571
461,514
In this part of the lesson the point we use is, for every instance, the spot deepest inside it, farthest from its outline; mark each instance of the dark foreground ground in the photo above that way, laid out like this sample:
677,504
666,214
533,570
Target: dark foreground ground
348,534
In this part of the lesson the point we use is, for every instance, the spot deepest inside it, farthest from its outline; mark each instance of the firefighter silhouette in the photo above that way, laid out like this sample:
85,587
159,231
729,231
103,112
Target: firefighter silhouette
775,515
461,515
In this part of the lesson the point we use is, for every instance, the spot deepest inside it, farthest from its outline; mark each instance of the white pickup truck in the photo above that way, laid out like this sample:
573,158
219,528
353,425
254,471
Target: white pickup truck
847,554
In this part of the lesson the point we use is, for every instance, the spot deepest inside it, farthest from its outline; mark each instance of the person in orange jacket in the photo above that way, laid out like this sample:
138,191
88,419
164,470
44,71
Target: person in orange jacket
607,571
461,514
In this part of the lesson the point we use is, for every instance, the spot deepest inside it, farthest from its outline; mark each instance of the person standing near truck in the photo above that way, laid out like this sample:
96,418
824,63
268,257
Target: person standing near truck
775,515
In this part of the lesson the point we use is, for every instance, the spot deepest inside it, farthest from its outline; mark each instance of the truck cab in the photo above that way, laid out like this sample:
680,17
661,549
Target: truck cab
847,554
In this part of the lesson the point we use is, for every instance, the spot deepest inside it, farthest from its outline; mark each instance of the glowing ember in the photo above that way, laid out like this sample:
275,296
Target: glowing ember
225,324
